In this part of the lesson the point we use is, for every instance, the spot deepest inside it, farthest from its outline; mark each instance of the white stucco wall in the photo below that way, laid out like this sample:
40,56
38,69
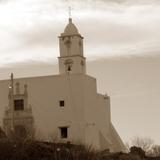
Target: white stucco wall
86,113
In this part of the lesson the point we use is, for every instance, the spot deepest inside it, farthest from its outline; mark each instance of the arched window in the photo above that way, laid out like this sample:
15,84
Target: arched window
68,63
69,68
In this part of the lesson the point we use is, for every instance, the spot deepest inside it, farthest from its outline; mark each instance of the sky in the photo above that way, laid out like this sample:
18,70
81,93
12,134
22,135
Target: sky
121,43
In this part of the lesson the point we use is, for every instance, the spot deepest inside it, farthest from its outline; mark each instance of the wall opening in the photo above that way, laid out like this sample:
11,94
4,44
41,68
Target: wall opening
61,103
69,68
64,132
18,104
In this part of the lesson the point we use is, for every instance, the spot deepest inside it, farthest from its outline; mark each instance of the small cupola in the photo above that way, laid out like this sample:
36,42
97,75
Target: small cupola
71,29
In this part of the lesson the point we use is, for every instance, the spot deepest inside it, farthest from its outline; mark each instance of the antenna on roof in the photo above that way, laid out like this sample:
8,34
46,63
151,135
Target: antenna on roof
12,100
11,85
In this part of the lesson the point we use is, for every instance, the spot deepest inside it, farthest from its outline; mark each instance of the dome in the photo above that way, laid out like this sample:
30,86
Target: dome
71,28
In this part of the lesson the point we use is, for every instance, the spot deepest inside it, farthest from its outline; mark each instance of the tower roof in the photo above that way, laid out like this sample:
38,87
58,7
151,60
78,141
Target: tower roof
71,28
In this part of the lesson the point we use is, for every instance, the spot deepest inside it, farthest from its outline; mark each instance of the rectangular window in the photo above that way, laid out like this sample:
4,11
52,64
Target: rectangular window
61,103
18,104
64,132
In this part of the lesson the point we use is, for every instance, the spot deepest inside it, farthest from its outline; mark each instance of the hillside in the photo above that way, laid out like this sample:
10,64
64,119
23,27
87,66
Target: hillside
34,150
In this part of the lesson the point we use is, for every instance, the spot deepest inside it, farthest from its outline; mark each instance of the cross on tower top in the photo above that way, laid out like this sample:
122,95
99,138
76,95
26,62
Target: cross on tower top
70,11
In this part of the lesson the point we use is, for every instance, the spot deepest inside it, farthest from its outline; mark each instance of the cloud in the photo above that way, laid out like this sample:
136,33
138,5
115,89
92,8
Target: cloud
112,27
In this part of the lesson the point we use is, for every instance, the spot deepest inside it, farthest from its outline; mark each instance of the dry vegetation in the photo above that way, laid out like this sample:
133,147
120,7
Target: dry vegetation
34,150
18,148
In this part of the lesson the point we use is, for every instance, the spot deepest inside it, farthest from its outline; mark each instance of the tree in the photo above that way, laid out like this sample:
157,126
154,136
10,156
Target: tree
145,143
156,150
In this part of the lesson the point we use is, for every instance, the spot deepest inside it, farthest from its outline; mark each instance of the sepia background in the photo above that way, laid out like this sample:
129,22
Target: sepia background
121,45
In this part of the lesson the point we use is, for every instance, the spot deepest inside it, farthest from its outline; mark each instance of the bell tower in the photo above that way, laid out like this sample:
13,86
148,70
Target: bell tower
71,58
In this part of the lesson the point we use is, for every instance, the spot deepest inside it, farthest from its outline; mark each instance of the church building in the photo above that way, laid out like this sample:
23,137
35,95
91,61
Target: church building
64,107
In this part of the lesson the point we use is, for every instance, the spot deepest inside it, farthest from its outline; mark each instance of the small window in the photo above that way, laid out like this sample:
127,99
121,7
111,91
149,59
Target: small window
61,103
18,104
64,132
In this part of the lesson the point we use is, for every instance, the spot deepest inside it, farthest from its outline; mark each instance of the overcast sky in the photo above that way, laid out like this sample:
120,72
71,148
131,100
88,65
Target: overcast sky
122,46
29,28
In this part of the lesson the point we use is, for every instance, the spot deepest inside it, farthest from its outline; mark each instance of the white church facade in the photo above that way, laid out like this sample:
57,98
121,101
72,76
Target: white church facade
64,106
